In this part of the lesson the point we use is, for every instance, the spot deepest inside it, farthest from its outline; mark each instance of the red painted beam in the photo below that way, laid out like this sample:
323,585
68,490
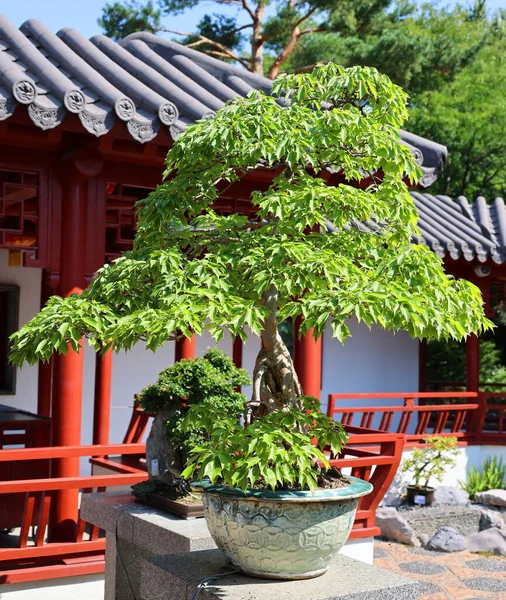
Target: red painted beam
40,573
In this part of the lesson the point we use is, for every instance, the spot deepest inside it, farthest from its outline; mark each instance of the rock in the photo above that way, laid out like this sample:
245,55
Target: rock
490,517
394,527
391,500
450,496
491,540
423,539
494,497
447,539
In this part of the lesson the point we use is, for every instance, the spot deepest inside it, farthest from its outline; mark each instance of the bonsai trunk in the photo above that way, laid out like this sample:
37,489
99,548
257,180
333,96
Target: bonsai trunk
275,383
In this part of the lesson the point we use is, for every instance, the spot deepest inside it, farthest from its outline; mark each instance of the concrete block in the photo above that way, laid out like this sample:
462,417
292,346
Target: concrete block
177,576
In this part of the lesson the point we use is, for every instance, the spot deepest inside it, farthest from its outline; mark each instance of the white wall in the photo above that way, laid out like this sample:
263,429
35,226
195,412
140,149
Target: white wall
29,282
371,360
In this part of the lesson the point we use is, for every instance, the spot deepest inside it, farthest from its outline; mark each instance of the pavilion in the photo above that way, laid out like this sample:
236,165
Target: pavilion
85,126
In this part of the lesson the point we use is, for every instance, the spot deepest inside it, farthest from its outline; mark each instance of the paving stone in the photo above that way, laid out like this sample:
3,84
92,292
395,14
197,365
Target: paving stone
426,552
487,564
425,587
379,553
485,584
422,568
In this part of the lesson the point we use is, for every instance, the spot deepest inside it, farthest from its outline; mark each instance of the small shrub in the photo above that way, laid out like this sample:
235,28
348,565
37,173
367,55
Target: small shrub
432,460
490,477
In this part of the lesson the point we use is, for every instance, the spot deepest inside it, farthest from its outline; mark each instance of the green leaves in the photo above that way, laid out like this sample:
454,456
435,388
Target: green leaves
332,252
275,451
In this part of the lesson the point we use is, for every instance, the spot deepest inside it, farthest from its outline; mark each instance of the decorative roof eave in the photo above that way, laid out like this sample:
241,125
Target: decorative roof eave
460,230
145,81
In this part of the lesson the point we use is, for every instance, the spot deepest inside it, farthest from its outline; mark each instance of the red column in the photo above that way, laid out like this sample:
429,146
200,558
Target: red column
45,377
102,404
422,366
473,363
185,348
308,361
86,162
237,352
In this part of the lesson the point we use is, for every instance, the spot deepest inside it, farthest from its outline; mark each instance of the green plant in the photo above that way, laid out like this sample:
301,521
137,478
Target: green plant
431,460
491,476
194,269
275,451
210,382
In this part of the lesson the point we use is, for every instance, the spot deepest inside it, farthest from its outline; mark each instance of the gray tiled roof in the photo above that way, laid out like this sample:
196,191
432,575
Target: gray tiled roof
146,81
460,230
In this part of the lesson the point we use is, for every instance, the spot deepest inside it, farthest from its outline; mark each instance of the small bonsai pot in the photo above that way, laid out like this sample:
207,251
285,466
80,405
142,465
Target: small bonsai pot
281,535
420,495
176,507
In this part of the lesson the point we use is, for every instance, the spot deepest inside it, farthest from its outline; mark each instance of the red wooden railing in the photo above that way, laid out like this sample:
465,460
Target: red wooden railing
471,417
35,558
369,455
374,457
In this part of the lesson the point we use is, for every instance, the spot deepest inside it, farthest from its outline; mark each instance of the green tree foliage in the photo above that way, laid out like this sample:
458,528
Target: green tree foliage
469,116
446,361
275,27
119,20
210,382
193,269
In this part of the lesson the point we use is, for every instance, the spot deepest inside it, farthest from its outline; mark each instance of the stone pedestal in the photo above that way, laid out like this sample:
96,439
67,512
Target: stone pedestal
177,576
135,532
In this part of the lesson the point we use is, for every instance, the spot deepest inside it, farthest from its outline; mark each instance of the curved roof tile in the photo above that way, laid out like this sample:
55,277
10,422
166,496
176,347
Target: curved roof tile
460,229
147,81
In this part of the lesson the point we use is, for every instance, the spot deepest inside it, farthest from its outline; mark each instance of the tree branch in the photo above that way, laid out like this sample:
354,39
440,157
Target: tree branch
248,9
201,39
290,46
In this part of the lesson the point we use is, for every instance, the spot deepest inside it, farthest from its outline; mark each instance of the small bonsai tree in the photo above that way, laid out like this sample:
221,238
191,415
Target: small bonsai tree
318,252
209,382
432,460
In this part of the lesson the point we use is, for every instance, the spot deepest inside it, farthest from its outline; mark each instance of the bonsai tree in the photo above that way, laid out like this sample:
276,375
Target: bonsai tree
432,460
210,382
308,250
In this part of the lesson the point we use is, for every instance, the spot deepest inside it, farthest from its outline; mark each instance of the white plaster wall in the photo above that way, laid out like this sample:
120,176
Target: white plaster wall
29,282
371,360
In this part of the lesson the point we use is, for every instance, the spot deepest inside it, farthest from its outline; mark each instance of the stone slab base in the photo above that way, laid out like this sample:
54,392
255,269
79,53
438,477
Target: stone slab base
177,576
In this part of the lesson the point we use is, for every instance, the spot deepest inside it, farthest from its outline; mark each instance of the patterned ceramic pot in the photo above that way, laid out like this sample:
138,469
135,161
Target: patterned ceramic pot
281,535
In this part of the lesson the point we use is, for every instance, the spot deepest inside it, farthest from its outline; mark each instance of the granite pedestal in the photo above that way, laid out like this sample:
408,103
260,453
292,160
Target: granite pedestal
177,576
135,532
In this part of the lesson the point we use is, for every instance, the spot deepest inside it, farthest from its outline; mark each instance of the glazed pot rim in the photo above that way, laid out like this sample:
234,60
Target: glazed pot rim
356,489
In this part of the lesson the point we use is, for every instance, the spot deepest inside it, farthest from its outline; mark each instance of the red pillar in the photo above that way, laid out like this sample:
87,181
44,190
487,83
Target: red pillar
308,361
86,162
237,352
422,366
185,348
102,400
45,377
473,363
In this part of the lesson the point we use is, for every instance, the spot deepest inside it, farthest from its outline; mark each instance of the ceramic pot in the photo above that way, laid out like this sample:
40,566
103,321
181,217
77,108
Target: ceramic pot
281,535
420,495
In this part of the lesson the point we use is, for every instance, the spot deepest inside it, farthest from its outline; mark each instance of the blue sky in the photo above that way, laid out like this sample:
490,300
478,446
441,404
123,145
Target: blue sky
83,15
